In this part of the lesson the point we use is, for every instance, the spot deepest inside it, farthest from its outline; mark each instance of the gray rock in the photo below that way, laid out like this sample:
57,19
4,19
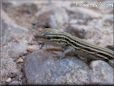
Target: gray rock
14,32
15,49
41,68
108,19
59,19
54,17
102,73
15,83
15,38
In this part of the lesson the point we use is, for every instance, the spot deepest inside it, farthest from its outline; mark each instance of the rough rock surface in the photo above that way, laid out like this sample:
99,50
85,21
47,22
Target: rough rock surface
40,68
14,43
14,39
102,73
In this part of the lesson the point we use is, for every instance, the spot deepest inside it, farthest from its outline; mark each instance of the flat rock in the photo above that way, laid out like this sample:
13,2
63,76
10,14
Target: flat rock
42,68
102,73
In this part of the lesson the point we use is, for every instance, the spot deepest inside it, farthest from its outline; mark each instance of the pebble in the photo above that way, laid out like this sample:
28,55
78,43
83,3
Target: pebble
32,48
20,60
8,80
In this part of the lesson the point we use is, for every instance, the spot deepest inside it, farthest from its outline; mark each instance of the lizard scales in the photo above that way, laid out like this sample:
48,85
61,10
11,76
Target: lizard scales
81,45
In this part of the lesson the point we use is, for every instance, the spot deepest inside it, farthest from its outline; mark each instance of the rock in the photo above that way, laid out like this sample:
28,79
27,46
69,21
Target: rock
95,32
15,83
83,31
20,60
8,80
15,33
108,19
84,23
15,38
83,13
32,48
42,18
15,49
59,19
23,14
54,17
102,73
43,68
7,67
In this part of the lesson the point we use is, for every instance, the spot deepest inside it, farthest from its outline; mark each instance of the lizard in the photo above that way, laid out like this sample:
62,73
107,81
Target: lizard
82,48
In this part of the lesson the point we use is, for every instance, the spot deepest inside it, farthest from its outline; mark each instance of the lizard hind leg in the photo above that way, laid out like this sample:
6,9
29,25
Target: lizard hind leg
111,63
41,45
64,47
68,51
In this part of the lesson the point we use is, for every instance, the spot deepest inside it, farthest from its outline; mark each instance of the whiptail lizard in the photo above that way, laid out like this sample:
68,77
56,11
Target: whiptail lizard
82,46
